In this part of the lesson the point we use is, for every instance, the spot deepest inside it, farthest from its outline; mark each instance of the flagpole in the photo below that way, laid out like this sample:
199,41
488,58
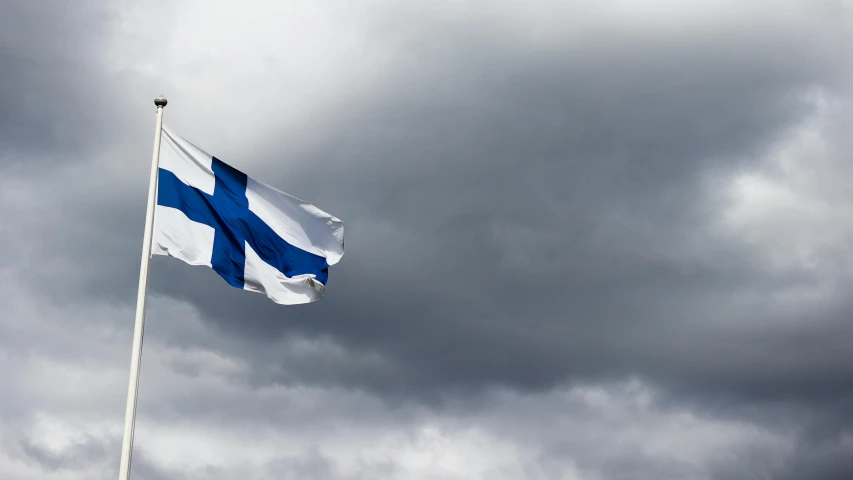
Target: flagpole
139,325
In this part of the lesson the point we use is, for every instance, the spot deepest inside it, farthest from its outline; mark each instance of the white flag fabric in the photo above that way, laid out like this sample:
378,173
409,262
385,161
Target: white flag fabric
255,237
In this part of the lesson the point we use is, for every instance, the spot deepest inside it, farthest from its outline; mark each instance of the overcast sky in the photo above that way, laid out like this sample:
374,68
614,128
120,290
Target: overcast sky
586,240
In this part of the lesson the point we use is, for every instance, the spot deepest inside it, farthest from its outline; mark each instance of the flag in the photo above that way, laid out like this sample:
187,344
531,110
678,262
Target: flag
255,237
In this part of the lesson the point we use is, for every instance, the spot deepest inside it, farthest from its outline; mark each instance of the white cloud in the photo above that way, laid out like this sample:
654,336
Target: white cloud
793,208
64,393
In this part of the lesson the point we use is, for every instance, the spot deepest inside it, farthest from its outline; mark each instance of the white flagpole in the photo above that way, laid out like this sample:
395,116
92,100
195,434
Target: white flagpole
139,326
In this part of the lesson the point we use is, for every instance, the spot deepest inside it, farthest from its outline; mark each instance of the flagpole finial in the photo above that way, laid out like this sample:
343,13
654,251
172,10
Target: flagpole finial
160,101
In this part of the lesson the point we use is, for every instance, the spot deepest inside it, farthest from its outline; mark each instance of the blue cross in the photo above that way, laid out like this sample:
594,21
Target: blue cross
227,212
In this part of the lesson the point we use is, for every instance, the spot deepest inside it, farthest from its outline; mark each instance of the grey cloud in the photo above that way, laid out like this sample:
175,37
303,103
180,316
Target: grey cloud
518,214
534,203
82,453
61,100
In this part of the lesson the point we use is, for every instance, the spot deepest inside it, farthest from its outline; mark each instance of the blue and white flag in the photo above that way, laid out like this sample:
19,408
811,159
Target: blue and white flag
254,236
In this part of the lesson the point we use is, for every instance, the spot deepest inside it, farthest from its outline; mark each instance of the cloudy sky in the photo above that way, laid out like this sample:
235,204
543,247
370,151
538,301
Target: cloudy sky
586,240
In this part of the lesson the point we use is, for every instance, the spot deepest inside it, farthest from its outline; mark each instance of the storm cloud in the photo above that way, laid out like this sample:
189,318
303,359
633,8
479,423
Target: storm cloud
585,240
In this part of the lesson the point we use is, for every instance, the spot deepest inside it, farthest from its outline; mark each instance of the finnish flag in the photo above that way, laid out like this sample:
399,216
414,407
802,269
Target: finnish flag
256,237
